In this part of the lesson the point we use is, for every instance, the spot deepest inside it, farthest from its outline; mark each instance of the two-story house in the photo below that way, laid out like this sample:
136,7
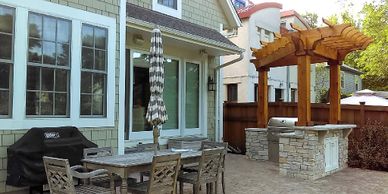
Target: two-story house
260,22
84,63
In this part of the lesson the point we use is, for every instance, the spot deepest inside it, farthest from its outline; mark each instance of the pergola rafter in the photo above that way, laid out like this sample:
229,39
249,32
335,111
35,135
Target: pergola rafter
303,47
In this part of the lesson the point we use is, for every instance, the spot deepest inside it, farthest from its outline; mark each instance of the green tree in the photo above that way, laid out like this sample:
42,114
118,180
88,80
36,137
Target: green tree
374,60
311,19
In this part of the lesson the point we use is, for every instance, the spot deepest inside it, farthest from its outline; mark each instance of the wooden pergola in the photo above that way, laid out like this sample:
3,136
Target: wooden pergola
305,47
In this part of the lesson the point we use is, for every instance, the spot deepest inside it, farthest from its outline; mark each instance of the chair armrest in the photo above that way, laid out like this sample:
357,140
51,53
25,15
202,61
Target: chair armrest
78,168
88,175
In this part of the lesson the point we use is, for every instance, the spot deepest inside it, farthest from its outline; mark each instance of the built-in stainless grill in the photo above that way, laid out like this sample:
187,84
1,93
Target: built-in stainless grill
277,125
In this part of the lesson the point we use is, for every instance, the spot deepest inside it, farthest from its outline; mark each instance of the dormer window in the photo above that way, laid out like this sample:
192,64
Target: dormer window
168,3
169,7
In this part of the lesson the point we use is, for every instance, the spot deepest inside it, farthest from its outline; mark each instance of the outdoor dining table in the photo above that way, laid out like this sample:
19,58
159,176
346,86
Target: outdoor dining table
124,165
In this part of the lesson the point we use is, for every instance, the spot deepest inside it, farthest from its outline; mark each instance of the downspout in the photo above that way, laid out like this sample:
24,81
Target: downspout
219,102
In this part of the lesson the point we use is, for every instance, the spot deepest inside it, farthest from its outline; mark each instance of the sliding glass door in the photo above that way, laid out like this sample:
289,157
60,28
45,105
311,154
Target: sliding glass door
182,97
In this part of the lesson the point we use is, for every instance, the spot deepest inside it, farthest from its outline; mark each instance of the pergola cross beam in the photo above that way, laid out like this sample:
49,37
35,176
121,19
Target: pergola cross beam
302,48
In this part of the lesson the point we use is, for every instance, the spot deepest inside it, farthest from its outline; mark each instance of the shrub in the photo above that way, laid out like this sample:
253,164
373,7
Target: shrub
368,147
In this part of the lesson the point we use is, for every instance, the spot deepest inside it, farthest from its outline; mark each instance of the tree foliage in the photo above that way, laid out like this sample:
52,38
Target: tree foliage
311,19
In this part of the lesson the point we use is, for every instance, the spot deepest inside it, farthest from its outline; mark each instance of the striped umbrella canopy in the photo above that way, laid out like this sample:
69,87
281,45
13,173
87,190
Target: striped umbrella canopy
156,111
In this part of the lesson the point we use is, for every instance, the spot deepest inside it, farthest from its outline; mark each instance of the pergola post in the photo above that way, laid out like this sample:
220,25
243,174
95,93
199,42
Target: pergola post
304,107
335,92
262,102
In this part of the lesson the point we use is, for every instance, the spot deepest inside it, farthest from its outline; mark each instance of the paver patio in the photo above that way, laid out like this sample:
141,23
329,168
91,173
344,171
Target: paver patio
244,176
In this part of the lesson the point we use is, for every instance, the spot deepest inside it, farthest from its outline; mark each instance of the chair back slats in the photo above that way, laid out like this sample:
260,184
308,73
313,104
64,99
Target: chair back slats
58,175
210,164
164,174
97,152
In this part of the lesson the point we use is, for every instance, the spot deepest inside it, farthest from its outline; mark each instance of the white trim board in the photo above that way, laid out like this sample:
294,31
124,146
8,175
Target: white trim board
77,17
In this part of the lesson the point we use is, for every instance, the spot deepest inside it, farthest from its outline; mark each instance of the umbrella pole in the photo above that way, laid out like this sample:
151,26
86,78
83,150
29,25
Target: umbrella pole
156,138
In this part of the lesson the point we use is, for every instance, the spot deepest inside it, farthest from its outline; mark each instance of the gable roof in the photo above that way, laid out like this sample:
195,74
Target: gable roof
246,12
290,13
154,18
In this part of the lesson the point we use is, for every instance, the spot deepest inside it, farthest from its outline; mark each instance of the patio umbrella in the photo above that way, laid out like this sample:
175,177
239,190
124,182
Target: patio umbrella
156,112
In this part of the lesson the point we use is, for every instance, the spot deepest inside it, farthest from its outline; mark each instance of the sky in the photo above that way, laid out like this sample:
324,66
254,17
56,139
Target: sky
323,8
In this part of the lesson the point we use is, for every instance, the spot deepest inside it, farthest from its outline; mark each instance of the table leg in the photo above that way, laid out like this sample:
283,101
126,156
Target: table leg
112,183
124,184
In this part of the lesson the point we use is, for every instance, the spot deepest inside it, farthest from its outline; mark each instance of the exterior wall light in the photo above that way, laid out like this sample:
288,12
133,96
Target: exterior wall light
211,84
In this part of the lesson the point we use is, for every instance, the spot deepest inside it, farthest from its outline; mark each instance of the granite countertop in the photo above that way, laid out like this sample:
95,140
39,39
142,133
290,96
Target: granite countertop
327,127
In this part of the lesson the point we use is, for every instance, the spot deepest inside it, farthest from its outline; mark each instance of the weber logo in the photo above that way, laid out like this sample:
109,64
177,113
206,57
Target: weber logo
51,135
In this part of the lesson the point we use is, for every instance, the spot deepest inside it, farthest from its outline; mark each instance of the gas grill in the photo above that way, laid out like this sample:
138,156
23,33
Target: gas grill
25,164
277,125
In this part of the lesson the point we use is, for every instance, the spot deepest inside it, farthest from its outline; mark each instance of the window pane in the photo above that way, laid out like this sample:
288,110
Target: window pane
47,79
171,93
35,25
4,102
35,51
60,104
6,19
100,60
87,36
49,53
5,46
86,82
61,80
87,58
63,30
46,100
100,38
49,28
4,76
98,83
192,95
32,103
33,78
86,104
98,105
141,94
63,53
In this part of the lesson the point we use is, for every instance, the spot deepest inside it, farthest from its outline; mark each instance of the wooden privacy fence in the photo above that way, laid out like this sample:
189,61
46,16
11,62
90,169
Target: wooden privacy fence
238,116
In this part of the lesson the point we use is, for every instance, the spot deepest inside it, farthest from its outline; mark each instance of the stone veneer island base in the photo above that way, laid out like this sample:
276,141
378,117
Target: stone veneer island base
310,152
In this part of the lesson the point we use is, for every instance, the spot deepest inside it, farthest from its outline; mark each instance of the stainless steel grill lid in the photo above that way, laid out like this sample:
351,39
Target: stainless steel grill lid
282,122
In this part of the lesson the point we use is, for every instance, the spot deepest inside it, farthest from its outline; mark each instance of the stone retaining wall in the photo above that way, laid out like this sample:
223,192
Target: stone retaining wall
256,143
304,156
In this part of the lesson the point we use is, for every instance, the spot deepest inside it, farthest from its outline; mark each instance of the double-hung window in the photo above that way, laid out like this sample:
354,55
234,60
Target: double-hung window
48,66
7,16
93,71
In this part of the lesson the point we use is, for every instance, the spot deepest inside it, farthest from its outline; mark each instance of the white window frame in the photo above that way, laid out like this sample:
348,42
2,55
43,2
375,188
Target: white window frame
19,119
168,10
182,130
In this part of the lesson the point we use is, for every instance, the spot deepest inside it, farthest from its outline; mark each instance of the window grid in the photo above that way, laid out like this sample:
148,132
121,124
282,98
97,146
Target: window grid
87,107
6,62
169,3
35,104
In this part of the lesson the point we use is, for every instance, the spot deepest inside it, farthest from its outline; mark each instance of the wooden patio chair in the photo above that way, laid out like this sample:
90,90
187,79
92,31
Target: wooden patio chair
207,173
142,147
163,176
212,145
103,180
60,178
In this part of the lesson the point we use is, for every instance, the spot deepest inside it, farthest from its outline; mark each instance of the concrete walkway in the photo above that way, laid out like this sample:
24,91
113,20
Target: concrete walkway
253,177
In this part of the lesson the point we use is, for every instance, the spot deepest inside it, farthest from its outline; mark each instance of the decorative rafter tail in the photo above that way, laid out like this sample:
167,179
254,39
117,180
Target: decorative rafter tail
327,22
296,27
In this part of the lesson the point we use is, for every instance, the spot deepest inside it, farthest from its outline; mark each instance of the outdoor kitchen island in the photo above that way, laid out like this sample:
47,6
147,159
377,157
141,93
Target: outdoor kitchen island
309,152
